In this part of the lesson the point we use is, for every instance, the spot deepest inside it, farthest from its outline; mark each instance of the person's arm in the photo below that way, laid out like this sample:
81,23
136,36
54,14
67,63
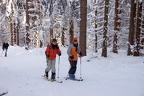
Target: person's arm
47,52
79,51
7,45
59,51
3,46
69,50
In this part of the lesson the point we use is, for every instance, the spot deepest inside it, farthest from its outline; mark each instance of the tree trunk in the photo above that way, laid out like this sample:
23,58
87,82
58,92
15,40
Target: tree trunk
138,29
83,24
104,46
27,40
131,27
12,33
18,35
63,36
51,34
116,26
96,49
12,26
71,31
15,33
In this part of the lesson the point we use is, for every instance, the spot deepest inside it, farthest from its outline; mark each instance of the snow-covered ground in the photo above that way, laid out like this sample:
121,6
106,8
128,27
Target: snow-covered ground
116,75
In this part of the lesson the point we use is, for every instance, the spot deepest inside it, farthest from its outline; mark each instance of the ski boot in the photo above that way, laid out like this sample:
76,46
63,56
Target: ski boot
46,75
71,76
53,76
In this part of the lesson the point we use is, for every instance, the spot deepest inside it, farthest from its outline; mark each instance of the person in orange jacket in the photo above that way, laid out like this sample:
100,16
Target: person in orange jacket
73,51
51,52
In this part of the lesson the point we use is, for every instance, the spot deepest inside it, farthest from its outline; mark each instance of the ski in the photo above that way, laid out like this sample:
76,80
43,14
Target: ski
51,80
75,79
4,93
54,80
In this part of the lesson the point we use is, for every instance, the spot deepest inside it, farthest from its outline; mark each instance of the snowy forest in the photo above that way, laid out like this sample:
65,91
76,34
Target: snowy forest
108,57
99,24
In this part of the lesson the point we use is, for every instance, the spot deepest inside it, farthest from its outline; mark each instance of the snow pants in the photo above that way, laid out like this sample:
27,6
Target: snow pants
73,67
5,52
50,66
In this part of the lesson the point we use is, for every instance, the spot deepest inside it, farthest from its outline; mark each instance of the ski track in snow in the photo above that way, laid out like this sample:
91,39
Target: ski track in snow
117,75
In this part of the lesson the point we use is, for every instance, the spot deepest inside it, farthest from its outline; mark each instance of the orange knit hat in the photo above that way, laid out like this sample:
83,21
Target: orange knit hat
74,39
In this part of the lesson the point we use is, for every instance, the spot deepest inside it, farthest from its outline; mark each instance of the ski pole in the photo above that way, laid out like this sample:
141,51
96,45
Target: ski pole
69,69
58,67
80,69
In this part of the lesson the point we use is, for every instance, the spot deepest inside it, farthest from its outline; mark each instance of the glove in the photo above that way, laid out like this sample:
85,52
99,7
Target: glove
57,47
59,54
71,57
47,55
80,54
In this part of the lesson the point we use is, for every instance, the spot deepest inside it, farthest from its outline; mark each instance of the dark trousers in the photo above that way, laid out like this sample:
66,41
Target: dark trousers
5,52
73,67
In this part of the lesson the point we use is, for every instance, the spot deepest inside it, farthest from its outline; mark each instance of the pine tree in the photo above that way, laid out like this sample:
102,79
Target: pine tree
116,26
71,31
131,26
27,39
83,17
96,38
138,29
104,45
